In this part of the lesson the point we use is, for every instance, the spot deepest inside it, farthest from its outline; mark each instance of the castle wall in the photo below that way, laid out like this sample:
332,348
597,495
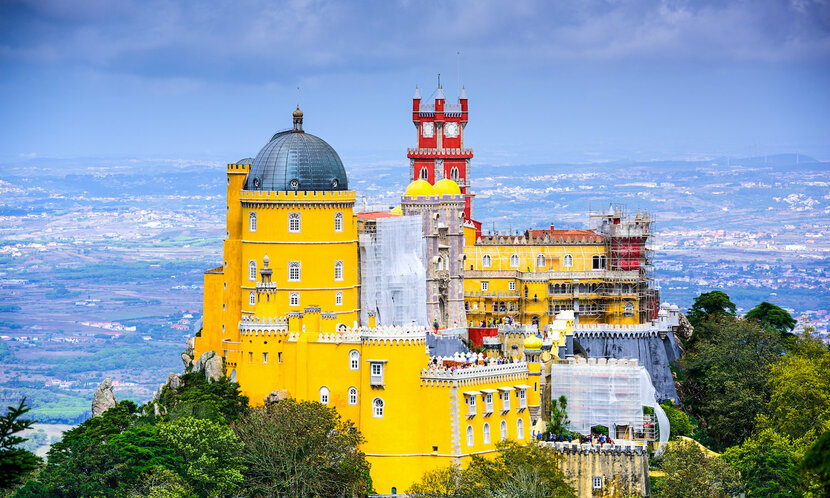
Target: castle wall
623,472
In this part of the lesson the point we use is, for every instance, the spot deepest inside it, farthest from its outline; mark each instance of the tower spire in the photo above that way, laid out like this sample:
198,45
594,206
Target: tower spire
298,115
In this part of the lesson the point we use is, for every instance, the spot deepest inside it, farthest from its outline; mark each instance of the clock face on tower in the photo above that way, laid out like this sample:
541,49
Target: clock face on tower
451,130
428,129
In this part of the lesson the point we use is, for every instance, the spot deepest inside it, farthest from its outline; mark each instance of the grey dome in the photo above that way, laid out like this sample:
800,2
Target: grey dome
295,160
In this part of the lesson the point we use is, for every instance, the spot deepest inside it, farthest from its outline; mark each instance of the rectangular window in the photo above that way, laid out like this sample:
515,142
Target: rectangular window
294,271
511,285
376,373
522,398
488,403
471,405
338,271
294,222
264,358
338,298
293,298
338,222
252,270
252,298
505,401
597,481
485,285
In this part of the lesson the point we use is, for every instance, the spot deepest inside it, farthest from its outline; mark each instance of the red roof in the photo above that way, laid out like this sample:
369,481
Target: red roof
374,215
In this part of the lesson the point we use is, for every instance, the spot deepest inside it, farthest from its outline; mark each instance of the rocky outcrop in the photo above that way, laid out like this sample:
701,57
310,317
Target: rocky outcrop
188,362
104,398
211,364
174,381
276,396
685,329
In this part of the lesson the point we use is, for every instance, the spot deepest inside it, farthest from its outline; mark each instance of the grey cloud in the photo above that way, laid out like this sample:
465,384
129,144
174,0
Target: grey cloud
263,40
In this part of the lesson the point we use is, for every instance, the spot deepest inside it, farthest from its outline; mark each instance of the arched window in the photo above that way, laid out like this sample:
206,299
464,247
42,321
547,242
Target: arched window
454,173
540,260
252,298
232,376
324,395
424,174
629,309
568,261
354,360
252,221
252,270
293,271
338,271
353,396
504,429
520,429
338,222
377,408
440,264
470,436
514,260
486,433
293,222
485,261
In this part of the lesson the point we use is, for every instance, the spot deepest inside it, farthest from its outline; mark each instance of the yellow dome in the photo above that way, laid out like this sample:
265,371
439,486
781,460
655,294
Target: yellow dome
397,210
418,188
446,187
533,343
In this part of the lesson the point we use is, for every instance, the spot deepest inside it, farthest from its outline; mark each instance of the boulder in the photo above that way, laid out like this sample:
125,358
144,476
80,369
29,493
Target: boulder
685,328
191,347
188,361
174,381
275,396
104,398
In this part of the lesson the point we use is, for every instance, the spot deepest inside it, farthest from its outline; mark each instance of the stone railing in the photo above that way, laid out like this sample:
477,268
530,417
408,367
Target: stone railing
621,446
265,325
474,372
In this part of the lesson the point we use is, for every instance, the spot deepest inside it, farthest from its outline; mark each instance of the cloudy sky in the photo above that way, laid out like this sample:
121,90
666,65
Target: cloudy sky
547,81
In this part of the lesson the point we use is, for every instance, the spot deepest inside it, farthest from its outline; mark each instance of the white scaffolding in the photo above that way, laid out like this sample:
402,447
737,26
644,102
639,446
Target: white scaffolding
610,393
393,272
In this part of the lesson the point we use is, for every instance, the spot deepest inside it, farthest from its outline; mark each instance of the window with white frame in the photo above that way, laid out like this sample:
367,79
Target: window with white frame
264,358
503,427
294,271
324,395
293,298
597,262
511,285
486,260
454,173
514,260
522,394
376,373
377,408
488,403
540,260
520,429
294,222
352,395
505,400
471,440
597,482
338,221
252,221
568,261
440,264
629,309
354,360
252,298
252,270
338,298
471,405
338,271
485,285
485,432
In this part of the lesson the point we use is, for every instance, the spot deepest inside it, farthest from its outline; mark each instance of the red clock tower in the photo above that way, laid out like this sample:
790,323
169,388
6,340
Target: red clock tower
440,153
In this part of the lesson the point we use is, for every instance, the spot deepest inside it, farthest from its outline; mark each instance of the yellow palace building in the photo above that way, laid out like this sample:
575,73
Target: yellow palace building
283,311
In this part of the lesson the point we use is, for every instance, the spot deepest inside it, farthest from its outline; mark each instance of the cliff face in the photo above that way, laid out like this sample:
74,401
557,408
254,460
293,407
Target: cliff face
650,350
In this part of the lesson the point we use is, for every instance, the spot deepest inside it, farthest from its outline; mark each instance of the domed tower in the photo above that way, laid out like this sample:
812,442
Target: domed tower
291,242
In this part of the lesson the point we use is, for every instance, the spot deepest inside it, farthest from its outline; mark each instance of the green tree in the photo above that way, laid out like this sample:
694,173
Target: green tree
799,404
691,474
727,377
15,463
219,400
768,464
558,416
531,470
301,449
770,315
211,452
817,461
678,421
710,304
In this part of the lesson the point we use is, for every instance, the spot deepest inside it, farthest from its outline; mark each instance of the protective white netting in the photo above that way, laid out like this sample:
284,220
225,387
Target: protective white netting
609,393
393,272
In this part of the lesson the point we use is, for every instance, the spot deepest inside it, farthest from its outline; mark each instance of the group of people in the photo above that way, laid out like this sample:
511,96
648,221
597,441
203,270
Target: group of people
490,323
595,439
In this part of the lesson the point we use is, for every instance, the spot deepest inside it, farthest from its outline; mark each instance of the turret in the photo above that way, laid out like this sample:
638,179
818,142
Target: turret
416,104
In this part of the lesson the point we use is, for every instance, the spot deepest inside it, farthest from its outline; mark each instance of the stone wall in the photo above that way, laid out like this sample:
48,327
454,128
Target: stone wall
624,471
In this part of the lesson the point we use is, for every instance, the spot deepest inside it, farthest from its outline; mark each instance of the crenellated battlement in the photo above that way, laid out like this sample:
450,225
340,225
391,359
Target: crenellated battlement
239,168
476,372
335,196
